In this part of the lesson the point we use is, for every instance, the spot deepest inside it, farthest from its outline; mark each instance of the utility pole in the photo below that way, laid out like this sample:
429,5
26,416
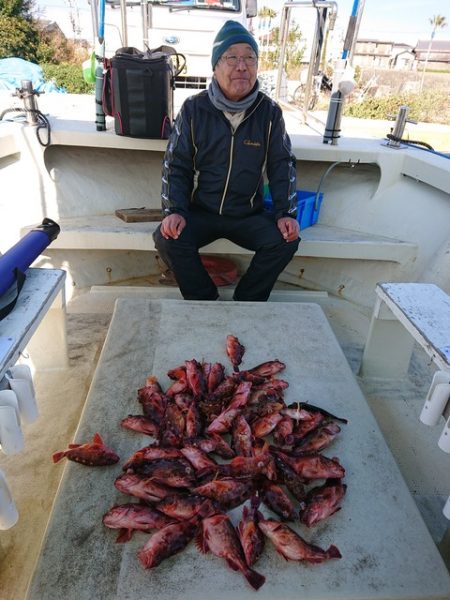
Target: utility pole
436,21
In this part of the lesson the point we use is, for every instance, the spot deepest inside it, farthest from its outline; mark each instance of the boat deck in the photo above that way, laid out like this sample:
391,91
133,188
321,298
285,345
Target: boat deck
398,180
396,405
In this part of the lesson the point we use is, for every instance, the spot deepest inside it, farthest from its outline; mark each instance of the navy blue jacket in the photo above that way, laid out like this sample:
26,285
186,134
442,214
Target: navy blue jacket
208,165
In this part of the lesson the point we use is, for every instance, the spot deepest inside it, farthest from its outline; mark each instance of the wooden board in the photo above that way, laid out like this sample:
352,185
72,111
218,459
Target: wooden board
139,215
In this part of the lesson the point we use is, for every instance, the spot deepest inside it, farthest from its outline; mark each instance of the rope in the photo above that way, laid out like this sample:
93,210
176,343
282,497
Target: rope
394,138
43,122
418,145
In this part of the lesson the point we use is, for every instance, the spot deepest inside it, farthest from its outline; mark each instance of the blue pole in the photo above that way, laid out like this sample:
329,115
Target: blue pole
101,22
350,29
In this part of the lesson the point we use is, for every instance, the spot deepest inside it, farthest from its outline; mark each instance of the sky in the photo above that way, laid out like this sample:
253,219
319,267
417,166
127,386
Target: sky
402,21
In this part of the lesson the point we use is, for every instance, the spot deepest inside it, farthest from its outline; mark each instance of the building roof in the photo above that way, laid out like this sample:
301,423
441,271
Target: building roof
436,45
365,40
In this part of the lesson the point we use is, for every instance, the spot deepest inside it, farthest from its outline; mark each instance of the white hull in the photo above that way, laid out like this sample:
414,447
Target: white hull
385,217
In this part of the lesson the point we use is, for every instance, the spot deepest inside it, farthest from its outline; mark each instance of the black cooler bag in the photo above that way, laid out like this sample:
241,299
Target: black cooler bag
138,91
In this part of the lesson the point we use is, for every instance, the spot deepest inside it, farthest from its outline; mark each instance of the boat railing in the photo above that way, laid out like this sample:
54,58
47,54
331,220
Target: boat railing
325,20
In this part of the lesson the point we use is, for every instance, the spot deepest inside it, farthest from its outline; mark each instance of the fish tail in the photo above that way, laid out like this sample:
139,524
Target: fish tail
255,579
57,456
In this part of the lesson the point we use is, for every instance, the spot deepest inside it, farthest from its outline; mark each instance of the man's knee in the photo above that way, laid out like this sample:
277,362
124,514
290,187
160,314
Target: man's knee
158,238
166,245
287,249
293,246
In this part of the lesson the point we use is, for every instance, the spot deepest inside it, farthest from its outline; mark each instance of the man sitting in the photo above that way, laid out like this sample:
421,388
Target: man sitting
224,140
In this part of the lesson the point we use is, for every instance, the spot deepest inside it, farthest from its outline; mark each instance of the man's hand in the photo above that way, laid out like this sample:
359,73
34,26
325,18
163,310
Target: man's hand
289,228
172,226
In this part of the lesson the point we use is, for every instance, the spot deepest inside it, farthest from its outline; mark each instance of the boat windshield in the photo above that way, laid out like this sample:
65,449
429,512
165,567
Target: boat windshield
219,5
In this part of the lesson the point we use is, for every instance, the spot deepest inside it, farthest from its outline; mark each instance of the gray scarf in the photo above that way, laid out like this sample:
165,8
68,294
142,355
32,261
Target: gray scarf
222,103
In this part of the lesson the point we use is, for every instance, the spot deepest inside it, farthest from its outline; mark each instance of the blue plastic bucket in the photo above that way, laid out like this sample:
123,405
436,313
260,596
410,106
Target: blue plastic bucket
308,206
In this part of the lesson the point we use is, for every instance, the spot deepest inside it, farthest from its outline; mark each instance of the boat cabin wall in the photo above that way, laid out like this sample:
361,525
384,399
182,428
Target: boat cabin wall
369,191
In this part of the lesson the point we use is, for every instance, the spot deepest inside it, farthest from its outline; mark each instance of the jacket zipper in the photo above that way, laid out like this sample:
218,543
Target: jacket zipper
228,174
231,159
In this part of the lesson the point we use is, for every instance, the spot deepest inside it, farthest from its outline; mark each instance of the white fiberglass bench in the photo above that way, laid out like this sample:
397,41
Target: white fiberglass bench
406,313
108,232
37,319
37,323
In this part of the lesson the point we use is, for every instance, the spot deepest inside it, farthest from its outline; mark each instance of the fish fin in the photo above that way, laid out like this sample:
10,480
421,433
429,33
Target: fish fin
324,412
256,580
281,554
71,446
124,535
201,543
207,509
97,439
208,470
333,552
57,456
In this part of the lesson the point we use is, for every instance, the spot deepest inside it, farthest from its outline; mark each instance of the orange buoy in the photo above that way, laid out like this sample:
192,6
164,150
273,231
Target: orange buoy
222,271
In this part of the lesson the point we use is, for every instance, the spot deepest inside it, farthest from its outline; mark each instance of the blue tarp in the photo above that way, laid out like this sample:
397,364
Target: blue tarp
14,70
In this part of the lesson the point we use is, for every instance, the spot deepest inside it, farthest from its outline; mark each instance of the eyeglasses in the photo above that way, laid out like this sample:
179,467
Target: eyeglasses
233,61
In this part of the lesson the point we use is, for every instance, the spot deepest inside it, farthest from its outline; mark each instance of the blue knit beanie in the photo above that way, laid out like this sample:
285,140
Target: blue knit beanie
231,33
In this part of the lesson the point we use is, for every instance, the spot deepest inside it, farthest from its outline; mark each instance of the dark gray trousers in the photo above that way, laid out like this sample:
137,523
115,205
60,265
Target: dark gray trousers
258,233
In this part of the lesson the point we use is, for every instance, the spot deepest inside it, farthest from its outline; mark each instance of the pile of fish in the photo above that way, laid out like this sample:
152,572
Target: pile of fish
266,454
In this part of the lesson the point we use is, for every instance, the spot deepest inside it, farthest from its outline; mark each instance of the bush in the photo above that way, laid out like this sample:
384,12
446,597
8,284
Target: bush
18,38
55,48
427,107
69,76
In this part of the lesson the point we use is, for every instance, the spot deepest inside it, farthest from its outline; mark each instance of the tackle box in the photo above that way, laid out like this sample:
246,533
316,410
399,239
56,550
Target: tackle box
308,207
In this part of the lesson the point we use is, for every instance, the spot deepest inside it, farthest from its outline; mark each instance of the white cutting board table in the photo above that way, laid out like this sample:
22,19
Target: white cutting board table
387,550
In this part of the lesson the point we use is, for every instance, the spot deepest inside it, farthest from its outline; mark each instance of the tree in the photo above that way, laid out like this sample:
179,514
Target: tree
265,15
18,38
437,22
18,34
16,8
294,51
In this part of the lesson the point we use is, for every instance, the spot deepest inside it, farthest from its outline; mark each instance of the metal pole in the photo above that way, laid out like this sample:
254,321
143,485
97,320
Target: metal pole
356,31
94,17
314,63
29,101
145,11
123,19
426,60
284,29
100,120
351,27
